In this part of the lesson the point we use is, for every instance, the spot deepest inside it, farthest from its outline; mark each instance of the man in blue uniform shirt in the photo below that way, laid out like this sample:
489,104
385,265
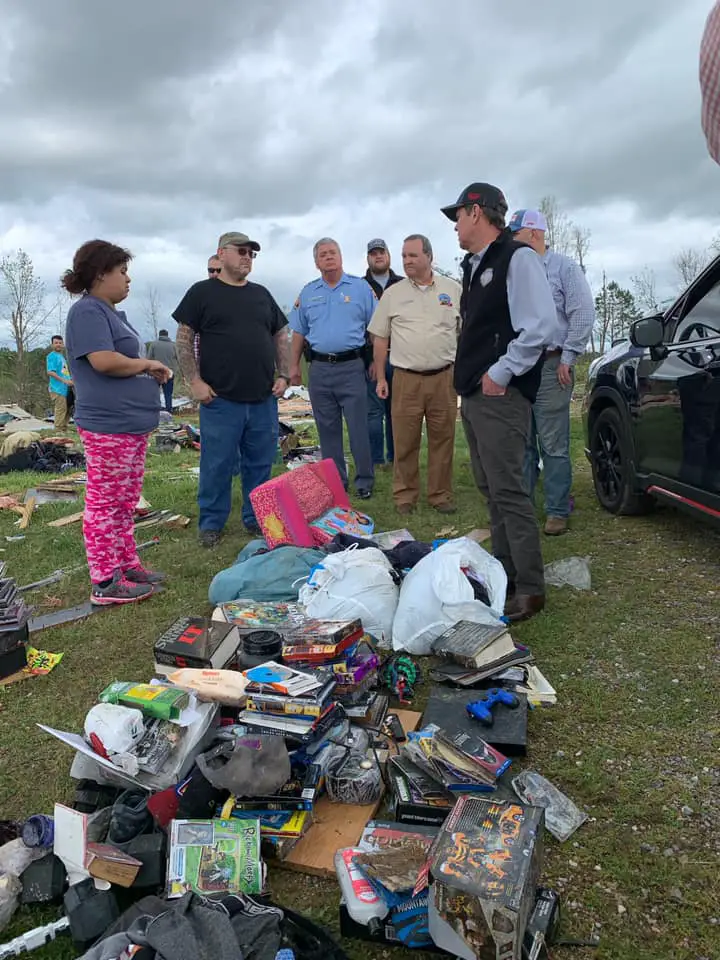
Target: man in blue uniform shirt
332,314
575,308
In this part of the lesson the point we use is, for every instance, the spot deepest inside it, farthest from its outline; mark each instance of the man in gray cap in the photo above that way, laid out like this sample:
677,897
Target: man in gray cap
508,318
381,277
243,368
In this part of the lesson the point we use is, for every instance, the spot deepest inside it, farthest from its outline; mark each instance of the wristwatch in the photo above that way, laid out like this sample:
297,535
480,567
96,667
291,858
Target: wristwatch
283,376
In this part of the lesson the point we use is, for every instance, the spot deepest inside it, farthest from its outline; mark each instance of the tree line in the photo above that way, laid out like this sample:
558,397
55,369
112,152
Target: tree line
31,313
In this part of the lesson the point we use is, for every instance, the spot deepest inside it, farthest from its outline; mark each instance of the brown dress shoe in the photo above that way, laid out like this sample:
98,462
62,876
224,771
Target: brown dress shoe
555,526
405,509
522,606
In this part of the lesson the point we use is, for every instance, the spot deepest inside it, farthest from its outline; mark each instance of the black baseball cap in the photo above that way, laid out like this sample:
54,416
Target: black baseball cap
484,194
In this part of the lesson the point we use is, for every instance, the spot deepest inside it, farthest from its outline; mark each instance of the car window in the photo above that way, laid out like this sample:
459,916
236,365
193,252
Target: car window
702,321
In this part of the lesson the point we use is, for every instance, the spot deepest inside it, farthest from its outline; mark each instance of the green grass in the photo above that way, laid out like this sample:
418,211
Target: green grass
632,740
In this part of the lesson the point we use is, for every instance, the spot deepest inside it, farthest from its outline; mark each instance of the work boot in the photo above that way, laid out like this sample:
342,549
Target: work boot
119,590
209,538
445,508
556,526
405,509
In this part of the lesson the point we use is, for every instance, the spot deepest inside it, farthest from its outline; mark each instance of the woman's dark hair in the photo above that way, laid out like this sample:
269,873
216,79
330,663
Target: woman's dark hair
90,261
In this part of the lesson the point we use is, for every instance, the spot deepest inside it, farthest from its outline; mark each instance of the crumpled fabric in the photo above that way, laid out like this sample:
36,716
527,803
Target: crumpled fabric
234,928
263,574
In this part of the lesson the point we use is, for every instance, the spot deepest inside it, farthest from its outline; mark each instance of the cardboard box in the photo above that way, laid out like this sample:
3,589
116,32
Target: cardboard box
484,871
105,862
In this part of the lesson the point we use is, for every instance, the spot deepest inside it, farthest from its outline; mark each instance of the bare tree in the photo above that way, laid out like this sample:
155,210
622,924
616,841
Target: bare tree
23,301
560,228
689,263
580,245
645,288
152,309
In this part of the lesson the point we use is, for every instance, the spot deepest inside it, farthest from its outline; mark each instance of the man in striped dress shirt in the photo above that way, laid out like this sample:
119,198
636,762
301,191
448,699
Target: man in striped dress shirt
550,436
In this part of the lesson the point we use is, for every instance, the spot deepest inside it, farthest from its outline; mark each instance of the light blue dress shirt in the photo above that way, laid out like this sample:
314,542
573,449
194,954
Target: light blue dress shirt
334,319
574,304
532,314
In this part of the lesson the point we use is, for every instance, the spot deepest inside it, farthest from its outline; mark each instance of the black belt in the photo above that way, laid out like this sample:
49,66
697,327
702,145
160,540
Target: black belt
338,357
426,373
553,353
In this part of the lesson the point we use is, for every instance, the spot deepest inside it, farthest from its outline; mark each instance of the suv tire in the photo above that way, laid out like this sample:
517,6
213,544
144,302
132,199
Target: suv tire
613,468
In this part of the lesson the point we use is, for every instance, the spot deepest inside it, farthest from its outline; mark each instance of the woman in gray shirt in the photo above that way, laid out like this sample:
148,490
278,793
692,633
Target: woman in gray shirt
116,407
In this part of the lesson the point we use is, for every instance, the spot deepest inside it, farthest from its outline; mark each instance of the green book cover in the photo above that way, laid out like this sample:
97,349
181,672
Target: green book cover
214,856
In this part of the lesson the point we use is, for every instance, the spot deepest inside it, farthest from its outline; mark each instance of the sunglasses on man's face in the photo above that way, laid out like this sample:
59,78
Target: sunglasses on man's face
246,252
213,270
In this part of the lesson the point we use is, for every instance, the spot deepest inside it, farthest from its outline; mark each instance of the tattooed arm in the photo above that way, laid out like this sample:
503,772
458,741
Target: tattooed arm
185,347
282,361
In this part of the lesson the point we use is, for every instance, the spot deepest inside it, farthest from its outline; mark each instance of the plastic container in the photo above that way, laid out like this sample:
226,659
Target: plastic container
363,904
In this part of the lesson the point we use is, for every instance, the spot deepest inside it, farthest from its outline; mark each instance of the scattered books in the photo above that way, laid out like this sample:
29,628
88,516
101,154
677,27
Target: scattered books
251,615
461,763
278,678
214,856
474,644
273,823
196,642
299,793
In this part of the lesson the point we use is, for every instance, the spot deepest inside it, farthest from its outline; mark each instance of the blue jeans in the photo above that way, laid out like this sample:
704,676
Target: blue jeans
167,389
227,427
380,421
550,439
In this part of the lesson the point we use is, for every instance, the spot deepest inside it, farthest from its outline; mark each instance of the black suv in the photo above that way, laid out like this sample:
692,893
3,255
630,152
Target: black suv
652,409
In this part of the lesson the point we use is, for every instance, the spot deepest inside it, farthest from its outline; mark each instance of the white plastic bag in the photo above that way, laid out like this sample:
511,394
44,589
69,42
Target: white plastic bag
437,593
354,583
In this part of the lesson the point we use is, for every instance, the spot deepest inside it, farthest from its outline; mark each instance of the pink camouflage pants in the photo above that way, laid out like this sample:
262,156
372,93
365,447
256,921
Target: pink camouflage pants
115,468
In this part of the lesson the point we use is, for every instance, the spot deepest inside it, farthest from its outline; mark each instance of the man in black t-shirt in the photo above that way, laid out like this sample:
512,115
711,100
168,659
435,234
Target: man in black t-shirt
242,370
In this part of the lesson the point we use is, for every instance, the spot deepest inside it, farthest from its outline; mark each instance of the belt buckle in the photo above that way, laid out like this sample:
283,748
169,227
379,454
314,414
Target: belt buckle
332,357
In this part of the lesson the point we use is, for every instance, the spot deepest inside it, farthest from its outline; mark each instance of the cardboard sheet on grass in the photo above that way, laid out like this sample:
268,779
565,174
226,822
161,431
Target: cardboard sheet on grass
336,825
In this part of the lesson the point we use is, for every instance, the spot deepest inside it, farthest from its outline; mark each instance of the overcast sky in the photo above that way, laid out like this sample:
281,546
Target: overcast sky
159,127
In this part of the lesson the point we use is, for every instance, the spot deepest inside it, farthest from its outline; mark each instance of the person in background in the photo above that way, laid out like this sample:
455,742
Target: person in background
214,267
59,382
420,318
710,81
117,405
163,349
381,277
243,369
575,308
508,318
332,314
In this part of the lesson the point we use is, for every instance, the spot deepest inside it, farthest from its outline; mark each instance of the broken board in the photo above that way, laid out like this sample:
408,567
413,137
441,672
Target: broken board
337,825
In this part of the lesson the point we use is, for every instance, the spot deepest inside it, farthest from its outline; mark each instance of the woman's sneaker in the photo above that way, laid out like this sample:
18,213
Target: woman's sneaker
141,575
119,590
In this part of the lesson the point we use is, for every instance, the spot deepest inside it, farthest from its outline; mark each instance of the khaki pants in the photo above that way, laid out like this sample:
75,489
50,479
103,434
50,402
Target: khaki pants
416,398
61,413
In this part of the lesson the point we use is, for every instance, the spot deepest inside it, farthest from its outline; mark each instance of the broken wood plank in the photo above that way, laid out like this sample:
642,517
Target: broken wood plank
64,521
27,512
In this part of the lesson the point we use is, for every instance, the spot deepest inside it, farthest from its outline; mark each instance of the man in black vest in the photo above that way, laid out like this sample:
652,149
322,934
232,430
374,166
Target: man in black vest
508,318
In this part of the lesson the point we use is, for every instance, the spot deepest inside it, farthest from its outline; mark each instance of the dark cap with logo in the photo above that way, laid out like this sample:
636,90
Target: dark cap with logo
483,194
376,245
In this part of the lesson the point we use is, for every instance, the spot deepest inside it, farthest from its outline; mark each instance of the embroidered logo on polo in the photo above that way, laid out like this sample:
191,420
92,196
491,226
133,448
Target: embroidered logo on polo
486,276
445,299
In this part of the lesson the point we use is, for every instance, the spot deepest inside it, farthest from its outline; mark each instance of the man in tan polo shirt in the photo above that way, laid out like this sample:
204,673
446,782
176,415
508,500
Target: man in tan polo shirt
421,318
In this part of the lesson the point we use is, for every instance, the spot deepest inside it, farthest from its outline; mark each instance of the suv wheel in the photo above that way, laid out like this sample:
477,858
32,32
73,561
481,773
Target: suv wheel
612,466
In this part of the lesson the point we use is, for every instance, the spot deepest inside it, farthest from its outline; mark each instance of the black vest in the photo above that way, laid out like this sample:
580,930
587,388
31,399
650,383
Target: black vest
486,326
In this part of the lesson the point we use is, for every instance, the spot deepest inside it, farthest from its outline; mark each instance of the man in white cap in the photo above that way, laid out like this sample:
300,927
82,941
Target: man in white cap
575,310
